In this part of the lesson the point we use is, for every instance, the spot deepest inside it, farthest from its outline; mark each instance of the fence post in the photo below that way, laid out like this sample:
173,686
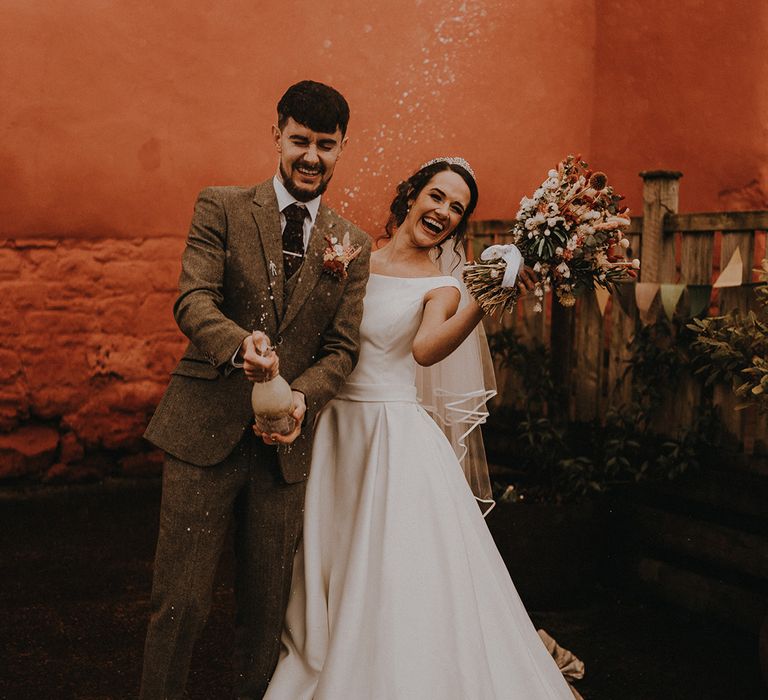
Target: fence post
660,197
657,255
561,346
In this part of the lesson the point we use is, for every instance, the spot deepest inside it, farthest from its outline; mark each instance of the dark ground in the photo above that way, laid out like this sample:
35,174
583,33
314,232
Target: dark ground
75,572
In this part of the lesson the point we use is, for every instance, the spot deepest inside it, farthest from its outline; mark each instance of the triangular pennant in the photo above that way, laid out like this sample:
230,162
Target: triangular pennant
602,295
698,299
733,274
645,293
625,293
670,295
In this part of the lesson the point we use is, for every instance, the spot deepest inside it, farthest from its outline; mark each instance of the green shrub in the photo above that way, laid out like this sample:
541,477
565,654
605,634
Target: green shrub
733,349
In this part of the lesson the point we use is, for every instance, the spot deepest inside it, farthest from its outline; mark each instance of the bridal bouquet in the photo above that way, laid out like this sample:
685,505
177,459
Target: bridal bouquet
571,232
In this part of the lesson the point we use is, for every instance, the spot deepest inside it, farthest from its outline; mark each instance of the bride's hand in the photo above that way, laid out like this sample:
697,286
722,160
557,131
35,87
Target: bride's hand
299,410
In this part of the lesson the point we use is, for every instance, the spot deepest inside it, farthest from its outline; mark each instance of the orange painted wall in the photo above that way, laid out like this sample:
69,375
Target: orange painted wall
684,86
115,114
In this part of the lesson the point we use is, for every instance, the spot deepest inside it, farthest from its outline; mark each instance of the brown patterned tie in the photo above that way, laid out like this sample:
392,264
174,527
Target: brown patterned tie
293,238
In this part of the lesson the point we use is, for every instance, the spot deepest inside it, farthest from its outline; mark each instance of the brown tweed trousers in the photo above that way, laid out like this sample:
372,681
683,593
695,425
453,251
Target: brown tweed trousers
232,282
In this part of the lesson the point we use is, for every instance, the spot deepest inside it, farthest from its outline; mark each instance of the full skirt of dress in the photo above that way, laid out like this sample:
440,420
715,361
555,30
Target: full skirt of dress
399,592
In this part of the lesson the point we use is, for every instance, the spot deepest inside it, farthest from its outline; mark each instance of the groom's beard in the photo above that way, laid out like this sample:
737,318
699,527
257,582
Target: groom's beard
300,194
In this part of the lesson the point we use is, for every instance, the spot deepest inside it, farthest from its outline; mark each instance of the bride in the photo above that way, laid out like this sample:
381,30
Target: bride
399,592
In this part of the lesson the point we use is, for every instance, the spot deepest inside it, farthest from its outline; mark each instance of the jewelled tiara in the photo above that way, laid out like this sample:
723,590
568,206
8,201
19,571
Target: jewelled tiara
453,160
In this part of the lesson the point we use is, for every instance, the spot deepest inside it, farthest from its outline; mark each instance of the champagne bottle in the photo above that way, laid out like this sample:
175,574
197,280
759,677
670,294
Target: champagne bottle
272,401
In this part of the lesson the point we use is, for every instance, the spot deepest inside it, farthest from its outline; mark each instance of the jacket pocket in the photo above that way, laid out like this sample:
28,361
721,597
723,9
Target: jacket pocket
198,370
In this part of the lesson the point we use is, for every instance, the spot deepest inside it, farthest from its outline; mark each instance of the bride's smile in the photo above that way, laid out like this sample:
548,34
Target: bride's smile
437,210
432,225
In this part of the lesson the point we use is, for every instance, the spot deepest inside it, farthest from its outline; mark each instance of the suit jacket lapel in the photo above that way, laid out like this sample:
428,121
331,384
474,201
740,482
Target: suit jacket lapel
267,218
310,271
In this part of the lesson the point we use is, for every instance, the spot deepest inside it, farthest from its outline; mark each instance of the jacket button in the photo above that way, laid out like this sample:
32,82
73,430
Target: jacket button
279,340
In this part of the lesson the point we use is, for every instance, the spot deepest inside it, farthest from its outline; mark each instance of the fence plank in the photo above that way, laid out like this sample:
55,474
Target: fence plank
623,324
668,263
508,383
696,258
588,359
695,268
717,221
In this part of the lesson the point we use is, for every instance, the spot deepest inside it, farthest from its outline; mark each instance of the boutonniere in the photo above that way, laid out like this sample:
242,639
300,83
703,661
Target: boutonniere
337,256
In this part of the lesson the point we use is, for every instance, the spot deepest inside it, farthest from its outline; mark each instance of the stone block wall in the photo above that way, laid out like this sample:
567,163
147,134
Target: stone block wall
86,345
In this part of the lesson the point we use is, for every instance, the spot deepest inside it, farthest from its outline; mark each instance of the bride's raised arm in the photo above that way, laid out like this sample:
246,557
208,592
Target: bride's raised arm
443,328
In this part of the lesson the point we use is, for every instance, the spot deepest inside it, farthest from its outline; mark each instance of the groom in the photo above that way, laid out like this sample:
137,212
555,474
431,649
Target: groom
252,273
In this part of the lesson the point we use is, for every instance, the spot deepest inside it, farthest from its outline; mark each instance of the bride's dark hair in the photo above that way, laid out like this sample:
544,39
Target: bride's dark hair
409,189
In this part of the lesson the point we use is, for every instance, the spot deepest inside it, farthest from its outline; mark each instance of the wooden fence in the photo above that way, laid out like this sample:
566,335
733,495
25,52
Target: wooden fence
590,353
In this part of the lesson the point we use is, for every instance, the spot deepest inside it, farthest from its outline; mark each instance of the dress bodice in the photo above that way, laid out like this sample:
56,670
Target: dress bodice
392,312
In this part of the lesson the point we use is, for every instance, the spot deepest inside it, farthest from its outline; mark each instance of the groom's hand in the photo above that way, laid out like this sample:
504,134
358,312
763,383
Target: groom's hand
260,361
299,409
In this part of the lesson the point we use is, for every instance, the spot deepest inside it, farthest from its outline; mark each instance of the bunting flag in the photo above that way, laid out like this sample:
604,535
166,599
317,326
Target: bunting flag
698,299
602,295
733,274
645,293
625,293
670,296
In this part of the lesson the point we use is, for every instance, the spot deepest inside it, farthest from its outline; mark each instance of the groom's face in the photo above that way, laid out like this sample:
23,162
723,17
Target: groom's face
307,158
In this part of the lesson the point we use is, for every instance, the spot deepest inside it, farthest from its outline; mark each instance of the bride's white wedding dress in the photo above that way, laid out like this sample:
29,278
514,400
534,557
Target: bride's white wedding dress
399,592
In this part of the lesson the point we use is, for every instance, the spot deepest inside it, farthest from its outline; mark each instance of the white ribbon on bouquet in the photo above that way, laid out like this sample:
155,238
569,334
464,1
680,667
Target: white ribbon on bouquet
511,255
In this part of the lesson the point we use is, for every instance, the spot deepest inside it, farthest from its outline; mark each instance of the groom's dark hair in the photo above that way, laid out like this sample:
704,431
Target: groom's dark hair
317,106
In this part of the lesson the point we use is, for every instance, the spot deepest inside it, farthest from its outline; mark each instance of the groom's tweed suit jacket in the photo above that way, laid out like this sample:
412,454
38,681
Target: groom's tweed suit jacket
232,283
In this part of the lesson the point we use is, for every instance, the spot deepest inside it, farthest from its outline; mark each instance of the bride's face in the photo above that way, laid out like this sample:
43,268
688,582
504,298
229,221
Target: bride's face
438,209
